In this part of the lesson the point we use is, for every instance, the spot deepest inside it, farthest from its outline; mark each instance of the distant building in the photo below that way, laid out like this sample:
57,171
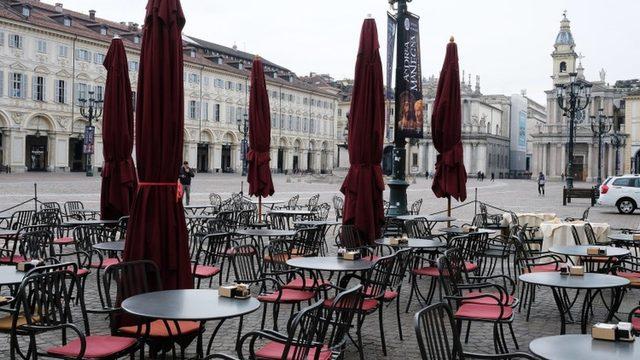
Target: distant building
51,56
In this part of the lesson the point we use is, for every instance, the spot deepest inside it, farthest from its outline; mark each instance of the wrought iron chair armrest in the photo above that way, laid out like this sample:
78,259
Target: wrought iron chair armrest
499,276
255,335
515,355
475,297
105,310
415,256
345,280
556,258
331,285
635,312
40,328
619,267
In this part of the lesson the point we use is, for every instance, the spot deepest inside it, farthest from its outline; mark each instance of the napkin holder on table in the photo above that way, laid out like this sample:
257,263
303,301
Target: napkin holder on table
399,240
236,291
576,270
28,265
469,229
352,255
594,250
636,237
564,269
611,332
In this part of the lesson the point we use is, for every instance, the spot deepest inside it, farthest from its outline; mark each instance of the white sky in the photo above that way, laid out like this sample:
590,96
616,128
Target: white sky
506,42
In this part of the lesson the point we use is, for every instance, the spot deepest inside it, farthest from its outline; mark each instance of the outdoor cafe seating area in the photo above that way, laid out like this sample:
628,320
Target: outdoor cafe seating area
448,276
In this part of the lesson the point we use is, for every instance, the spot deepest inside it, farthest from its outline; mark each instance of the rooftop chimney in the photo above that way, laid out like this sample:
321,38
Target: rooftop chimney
59,7
92,14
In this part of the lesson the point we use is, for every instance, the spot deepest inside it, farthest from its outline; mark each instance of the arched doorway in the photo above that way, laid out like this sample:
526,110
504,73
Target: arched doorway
77,157
204,145
226,161
37,144
297,145
635,166
324,158
387,160
311,156
282,145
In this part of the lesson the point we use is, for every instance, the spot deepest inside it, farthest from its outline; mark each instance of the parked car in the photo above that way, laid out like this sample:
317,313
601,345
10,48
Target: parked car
622,192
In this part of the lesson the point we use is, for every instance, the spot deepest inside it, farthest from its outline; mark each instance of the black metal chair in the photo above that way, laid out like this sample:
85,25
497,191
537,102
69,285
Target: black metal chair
21,218
209,258
313,202
43,304
338,204
127,279
439,337
415,207
71,210
322,211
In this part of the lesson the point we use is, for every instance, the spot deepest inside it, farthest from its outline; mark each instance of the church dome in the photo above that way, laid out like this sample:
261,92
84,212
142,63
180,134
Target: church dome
564,36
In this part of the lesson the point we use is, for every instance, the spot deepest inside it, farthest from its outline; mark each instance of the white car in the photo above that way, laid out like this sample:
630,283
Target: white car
622,192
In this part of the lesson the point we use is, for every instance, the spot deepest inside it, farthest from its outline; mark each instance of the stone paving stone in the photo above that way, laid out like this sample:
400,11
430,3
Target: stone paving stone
512,194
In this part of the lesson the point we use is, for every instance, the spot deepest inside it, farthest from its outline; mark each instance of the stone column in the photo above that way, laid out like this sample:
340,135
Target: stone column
545,166
217,157
591,174
553,169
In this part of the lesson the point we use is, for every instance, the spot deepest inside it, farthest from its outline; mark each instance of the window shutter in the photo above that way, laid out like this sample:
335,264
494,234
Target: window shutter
1,82
1,38
34,90
12,41
44,88
199,109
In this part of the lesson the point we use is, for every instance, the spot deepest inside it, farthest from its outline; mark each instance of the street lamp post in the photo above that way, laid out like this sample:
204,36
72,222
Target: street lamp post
618,140
90,109
600,125
572,98
243,128
398,184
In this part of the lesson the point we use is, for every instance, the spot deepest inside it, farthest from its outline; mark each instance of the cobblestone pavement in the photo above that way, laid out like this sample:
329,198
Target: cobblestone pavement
517,195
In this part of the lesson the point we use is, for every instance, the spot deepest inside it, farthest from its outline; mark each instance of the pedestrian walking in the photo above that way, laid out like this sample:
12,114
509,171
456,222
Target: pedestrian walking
493,177
541,182
185,175
426,174
562,176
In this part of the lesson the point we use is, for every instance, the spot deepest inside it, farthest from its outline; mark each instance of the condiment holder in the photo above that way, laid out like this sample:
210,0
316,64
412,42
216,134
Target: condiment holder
235,291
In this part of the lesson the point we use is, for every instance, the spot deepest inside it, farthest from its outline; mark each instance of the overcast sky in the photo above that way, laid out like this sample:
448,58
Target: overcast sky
507,42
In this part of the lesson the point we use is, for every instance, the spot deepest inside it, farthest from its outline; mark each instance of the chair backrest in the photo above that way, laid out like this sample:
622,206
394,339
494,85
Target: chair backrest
279,221
215,200
126,279
472,246
45,299
21,218
338,203
70,206
342,311
246,266
591,235
418,228
88,235
244,218
293,202
307,242
437,334
514,219
399,269
415,207
35,242
228,217
50,205
121,228
306,332
322,211
349,237
48,216
313,202
212,249
377,279
585,215
576,236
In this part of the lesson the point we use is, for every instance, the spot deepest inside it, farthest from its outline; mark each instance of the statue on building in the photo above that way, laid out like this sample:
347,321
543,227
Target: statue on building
603,75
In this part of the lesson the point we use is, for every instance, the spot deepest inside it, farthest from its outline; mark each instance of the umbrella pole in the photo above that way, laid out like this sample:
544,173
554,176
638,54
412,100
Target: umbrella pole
449,210
260,209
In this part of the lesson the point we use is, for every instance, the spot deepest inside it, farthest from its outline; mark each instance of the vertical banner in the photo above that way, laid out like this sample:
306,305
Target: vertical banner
391,41
89,139
409,103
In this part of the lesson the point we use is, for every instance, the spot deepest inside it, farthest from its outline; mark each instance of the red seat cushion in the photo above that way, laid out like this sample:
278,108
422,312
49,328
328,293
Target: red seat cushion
634,277
16,259
470,267
206,271
274,350
305,283
232,251
105,263
159,329
635,321
83,272
97,347
387,296
288,296
427,271
487,300
543,268
479,311
367,304
63,241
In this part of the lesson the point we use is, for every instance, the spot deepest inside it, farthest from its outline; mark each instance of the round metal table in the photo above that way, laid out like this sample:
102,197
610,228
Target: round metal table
581,251
330,263
620,237
589,282
583,347
117,246
74,223
10,276
195,209
413,243
190,305
265,232
460,231
4,233
268,201
293,212
318,223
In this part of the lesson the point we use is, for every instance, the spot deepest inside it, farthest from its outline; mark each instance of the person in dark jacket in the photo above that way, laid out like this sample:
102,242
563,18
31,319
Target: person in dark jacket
185,174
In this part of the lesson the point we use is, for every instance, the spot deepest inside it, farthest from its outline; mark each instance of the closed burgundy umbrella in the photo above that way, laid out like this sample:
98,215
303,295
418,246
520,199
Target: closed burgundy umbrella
259,176
446,124
118,172
363,185
157,230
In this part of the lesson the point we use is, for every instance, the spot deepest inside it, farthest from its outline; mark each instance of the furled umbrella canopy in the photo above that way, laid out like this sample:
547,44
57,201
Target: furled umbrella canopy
363,185
157,230
259,176
446,125
119,180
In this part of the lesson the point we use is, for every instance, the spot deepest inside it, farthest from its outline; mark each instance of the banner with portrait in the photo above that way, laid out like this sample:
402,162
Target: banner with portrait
408,95
89,139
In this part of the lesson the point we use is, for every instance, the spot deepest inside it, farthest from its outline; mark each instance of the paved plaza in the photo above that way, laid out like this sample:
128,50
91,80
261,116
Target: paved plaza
517,195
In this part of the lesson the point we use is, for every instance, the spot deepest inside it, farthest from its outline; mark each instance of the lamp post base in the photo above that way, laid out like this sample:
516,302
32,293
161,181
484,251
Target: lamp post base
569,182
397,197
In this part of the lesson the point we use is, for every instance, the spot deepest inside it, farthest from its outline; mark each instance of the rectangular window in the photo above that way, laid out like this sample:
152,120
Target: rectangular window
312,126
81,93
98,92
194,79
274,120
1,83
83,55
61,92
98,58
239,113
205,111
192,109
1,38
15,41
217,112
305,101
205,81
38,88
218,83
414,160
298,123
229,85
290,123
238,86
134,99
134,66
63,51
305,125
42,46
18,85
